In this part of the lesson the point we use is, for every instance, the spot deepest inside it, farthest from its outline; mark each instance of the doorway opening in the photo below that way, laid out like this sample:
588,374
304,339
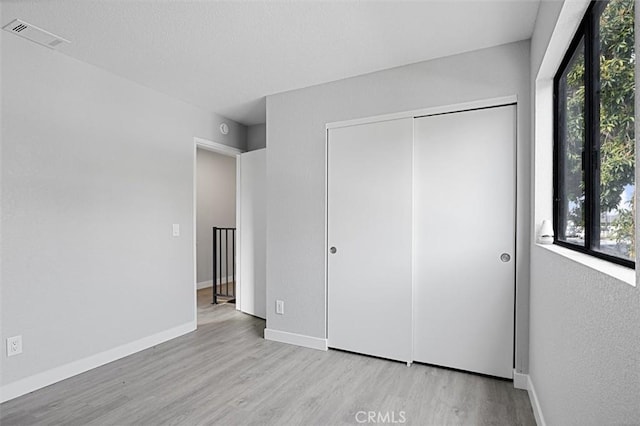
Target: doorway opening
215,223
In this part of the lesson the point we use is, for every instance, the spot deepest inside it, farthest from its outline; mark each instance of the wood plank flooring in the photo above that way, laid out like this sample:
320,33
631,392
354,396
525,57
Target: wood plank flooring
205,297
225,373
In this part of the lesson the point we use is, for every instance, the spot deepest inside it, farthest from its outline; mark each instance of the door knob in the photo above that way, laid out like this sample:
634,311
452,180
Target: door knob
505,257
333,250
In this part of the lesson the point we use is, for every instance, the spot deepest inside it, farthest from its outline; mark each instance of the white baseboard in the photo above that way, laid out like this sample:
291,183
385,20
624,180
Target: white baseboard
535,403
296,339
46,378
209,283
520,381
523,381
204,284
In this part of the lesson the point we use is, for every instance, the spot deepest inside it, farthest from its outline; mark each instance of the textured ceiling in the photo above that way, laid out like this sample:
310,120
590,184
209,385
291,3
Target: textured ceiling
226,56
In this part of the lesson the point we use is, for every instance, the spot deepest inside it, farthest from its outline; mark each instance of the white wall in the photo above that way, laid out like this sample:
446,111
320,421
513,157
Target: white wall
296,168
585,324
216,205
256,137
585,343
2,336
95,170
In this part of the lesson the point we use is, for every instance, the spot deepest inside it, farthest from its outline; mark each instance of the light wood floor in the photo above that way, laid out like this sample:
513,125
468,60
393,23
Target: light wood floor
205,309
226,373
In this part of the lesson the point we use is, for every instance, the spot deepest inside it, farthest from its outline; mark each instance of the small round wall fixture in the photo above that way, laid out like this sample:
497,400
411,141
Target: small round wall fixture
224,128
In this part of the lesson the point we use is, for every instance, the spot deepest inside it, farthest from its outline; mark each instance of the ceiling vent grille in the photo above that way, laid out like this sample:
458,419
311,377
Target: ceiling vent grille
33,33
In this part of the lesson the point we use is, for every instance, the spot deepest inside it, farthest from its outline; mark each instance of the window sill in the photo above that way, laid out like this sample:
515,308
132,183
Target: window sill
613,270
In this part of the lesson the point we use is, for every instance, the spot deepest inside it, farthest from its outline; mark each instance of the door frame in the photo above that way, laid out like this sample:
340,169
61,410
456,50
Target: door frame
441,109
228,151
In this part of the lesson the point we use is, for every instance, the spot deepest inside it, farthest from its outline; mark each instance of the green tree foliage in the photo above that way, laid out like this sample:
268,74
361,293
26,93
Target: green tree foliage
617,136
617,127
574,87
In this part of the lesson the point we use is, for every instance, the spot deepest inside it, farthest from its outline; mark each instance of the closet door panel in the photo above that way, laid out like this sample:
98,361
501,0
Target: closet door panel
369,224
464,240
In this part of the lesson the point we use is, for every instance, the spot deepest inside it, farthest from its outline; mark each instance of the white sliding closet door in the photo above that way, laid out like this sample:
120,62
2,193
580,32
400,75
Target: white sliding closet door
464,239
369,225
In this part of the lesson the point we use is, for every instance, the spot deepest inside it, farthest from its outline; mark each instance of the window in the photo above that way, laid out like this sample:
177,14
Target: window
594,151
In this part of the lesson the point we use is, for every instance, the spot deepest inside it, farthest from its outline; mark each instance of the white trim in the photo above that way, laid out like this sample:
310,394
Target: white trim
482,103
238,292
217,147
204,284
209,283
326,233
46,378
523,381
229,151
535,403
520,380
295,339
413,243
194,237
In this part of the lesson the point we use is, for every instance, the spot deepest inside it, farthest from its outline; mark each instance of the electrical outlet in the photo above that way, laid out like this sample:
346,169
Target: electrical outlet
14,345
176,229
280,307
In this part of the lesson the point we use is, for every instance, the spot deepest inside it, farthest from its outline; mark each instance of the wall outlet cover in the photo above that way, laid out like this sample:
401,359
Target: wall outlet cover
14,345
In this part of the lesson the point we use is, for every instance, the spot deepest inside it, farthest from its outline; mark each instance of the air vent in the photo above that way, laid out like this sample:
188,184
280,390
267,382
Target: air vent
33,33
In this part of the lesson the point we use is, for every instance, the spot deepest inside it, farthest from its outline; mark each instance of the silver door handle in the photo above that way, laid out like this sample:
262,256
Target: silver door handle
505,257
333,250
